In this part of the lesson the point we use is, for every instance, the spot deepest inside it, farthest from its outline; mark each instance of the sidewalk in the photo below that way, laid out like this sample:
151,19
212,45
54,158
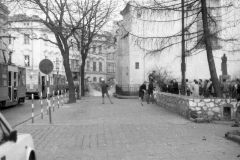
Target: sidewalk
126,130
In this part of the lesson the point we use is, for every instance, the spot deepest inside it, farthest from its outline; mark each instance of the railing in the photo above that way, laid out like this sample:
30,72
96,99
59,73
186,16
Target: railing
127,90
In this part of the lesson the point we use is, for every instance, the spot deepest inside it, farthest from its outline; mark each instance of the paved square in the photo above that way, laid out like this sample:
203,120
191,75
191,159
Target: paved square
126,130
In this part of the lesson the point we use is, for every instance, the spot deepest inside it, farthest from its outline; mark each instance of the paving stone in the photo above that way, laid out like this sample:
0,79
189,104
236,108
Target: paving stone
126,130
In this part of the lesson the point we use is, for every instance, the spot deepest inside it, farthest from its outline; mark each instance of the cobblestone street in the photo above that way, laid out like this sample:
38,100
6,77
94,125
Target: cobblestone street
126,130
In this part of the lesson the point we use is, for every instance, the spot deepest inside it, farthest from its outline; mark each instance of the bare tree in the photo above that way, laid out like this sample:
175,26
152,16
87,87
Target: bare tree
202,30
63,18
162,76
94,16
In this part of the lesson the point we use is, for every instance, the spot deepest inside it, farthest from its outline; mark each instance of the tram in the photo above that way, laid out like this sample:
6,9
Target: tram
12,85
37,83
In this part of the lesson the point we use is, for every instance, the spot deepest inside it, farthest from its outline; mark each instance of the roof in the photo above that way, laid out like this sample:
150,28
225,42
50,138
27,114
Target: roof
23,17
126,9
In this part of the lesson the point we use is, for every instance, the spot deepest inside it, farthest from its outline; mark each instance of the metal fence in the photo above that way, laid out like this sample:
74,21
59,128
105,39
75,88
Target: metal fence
127,90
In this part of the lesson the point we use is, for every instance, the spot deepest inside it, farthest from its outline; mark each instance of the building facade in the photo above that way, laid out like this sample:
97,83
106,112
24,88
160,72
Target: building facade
29,46
135,62
4,36
100,63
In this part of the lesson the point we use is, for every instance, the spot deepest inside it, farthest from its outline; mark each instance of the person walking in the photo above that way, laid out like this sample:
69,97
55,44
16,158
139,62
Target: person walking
187,87
104,87
142,90
150,91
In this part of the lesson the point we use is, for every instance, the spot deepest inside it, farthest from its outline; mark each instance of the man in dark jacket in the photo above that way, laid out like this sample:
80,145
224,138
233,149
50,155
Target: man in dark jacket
104,87
150,91
175,87
142,90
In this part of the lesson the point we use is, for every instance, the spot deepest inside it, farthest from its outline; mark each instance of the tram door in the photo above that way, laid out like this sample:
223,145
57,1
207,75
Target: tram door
12,85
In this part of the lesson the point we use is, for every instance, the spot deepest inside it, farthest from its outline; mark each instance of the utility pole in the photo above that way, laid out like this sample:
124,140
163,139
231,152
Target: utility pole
183,64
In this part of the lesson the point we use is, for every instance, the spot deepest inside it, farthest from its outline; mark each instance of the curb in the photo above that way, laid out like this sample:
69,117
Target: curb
233,135
124,97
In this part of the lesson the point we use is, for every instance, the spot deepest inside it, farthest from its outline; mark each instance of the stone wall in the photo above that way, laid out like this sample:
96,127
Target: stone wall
207,108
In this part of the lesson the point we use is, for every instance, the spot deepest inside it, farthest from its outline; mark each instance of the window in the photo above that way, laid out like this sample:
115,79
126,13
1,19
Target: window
94,66
88,65
109,68
4,75
110,56
114,68
94,48
100,66
137,65
100,49
26,39
94,79
100,78
26,61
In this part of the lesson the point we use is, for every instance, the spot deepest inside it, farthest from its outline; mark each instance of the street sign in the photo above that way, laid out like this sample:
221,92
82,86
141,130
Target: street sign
46,66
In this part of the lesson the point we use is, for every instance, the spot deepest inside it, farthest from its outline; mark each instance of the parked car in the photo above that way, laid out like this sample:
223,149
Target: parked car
13,145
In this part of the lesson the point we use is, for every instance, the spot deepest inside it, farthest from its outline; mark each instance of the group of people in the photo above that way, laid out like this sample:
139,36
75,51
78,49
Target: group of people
146,91
200,88
171,87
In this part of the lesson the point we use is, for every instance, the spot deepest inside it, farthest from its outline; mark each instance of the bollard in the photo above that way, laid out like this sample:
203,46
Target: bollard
32,109
65,96
58,98
53,101
48,99
62,98
41,105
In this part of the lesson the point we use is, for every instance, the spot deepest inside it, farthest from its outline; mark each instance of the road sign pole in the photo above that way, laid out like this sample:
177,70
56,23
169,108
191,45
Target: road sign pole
48,99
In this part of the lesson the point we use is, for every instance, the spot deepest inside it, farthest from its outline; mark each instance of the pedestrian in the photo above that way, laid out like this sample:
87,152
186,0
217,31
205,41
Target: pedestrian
195,88
209,88
175,87
237,115
200,83
187,87
104,87
225,88
142,90
150,91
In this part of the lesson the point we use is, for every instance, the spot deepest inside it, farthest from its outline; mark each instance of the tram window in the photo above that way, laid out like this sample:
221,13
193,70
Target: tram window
15,79
9,78
23,77
4,76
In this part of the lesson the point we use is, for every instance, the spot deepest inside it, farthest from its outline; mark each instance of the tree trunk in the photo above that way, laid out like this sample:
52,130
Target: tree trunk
72,98
82,77
183,64
207,41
